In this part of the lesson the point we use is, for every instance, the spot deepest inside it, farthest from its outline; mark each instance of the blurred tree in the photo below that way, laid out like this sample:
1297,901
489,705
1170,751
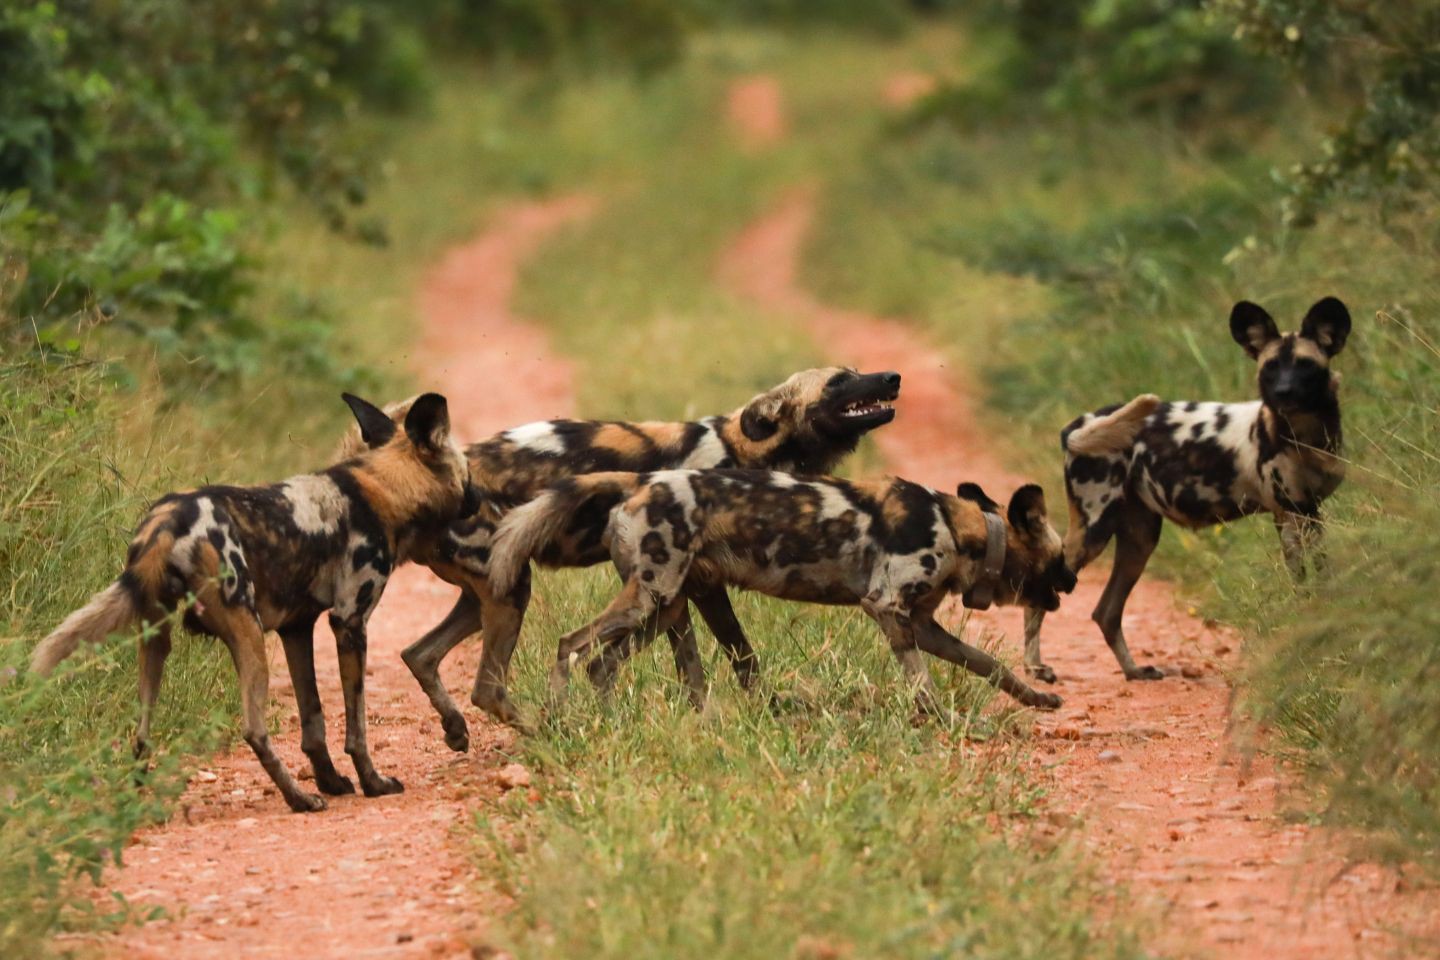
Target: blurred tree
1378,61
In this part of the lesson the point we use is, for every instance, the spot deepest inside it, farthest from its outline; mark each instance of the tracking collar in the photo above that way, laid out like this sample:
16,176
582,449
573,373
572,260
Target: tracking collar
982,594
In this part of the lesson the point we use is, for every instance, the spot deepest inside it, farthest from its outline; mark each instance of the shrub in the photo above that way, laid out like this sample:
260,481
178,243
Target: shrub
1376,62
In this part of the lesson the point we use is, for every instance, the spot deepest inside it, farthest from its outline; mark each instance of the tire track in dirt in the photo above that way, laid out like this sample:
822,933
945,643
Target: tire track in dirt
1144,768
240,874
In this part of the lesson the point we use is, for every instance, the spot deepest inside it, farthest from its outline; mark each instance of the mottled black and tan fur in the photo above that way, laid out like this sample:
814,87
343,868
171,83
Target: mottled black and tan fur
894,548
275,557
1129,469
806,424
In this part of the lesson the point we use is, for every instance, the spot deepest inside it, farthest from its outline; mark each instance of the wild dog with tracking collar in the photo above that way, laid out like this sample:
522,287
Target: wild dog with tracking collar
893,548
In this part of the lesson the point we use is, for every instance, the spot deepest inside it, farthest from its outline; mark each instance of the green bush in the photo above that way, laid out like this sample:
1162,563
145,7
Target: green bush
1377,65
1098,57
131,133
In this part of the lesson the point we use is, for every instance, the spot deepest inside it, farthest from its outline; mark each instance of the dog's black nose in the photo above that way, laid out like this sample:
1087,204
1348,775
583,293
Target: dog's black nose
890,378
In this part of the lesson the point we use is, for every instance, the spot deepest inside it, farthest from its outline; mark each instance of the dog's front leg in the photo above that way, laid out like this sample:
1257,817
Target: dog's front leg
1301,539
1034,619
714,606
900,632
350,644
423,658
299,645
935,641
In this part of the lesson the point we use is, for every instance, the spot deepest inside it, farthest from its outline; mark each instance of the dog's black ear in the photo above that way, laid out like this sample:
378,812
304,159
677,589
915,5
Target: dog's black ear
428,422
1027,510
376,428
1328,324
973,493
1252,327
760,419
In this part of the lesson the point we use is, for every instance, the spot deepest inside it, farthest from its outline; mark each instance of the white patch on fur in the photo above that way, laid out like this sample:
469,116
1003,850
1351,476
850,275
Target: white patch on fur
316,503
782,480
709,451
182,553
343,582
540,437
1234,440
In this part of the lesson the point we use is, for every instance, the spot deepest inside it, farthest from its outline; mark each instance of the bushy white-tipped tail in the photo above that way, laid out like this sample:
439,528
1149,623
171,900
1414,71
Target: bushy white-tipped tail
109,611
1113,432
524,532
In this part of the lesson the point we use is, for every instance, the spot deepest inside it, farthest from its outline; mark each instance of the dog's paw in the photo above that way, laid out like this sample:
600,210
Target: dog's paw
382,786
1146,673
334,783
1042,672
457,734
1047,701
306,802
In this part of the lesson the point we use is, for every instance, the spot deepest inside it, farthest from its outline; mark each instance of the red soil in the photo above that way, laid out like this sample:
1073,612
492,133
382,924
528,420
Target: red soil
903,89
757,114
240,875
1142,769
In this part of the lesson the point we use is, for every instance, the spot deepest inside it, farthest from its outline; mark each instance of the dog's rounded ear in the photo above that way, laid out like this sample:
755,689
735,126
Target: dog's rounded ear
973,493
376,428
1027,510
1252,327
1328,324
760,420
428,422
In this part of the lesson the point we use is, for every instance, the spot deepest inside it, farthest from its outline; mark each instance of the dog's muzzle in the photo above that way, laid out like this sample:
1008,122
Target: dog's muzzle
982,594
470,504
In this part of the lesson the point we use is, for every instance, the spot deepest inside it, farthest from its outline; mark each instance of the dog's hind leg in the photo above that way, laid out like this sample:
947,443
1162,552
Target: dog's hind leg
424,655
241,632
1034,665
299,642
503,617
675,621
154,648
686,651
625,614
935,641
1135,540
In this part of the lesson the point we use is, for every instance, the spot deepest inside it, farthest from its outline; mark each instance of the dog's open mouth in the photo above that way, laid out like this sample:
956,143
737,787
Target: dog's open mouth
865,408
856,403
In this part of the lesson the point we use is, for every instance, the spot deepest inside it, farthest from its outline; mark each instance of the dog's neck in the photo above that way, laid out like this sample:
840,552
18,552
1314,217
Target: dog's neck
1316,430
783,451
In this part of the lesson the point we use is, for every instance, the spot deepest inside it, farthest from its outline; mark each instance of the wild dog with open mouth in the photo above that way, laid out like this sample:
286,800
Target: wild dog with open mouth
274,558
806,424
1129,469
894,548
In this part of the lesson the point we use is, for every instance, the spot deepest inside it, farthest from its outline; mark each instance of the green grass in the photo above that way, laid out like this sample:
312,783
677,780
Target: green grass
1080,266
73,482
837,828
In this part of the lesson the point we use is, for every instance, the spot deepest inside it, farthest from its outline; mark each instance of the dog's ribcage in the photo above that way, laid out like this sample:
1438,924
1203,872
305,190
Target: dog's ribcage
1193,463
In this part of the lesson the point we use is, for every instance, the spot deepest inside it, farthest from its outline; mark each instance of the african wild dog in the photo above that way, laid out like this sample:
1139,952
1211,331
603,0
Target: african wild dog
806,424
892,547
1129,469
274,558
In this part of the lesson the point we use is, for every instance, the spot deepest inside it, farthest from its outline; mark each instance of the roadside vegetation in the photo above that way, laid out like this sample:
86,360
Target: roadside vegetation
1084,230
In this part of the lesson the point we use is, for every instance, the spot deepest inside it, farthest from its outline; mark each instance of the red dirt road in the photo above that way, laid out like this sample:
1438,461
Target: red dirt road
1143,768
239,874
